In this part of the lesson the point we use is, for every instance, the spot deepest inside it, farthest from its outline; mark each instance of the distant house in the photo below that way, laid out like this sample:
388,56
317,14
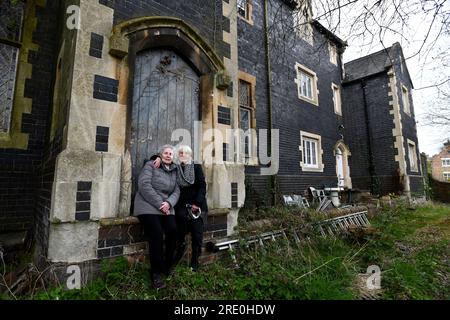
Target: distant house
440,164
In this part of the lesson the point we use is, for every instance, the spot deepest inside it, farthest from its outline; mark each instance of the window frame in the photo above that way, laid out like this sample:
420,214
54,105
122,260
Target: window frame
16,44
443,160
413,160
446,173
302,70
333,52
248,8
405,99
249,106
337,104
311,138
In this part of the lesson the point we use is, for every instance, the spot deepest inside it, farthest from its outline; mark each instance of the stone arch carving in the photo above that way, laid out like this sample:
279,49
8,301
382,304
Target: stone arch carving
147,32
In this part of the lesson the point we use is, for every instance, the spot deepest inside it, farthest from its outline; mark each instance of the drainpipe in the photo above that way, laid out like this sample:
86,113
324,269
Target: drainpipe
269,94
369,138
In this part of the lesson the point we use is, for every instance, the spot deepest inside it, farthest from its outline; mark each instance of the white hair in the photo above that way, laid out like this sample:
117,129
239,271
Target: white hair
186,150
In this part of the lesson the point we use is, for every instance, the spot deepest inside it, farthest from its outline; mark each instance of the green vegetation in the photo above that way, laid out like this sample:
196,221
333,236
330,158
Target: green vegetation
411,246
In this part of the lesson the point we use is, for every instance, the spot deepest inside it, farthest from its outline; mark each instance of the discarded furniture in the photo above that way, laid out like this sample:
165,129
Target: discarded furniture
319,197
296,200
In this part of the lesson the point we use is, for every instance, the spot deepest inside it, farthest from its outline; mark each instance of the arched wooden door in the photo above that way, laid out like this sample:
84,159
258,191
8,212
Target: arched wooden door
165,98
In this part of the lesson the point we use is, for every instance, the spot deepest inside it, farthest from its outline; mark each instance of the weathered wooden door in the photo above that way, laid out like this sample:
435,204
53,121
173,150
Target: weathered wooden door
165,98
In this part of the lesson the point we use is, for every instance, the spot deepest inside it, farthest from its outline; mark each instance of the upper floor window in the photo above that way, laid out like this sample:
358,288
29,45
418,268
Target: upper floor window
11,20
446,162
337,99
245,99
412,156
306,84
405,98
244,10
333,53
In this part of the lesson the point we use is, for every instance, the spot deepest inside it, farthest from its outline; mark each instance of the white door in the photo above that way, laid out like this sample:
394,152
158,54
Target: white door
340,168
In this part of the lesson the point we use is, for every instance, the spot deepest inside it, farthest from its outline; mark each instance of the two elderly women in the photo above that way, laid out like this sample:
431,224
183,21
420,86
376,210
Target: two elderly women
171,202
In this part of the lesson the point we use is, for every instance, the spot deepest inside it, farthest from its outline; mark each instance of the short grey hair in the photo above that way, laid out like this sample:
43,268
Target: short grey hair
166,146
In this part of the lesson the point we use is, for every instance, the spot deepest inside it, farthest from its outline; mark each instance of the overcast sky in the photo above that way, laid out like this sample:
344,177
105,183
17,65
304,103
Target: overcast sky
425,68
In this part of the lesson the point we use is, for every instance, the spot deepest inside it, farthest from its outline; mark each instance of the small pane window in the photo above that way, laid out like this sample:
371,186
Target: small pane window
244,94
405,97
242,8
446,162
310,152
412,157
11,19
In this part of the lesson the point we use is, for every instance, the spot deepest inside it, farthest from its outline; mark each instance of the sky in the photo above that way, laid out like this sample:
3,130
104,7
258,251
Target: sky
423,63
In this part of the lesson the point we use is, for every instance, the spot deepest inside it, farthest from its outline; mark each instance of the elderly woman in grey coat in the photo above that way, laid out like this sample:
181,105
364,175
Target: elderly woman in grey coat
154,203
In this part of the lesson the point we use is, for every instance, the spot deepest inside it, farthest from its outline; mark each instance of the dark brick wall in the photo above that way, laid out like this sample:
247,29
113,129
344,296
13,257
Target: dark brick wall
377,127
290,114
205,16
21,173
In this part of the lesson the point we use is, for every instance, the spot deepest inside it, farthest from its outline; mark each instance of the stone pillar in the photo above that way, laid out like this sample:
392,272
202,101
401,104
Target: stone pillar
87,183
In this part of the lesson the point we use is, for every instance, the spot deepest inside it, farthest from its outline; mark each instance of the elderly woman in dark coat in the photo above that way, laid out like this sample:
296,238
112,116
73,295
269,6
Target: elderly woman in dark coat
158,192
191,209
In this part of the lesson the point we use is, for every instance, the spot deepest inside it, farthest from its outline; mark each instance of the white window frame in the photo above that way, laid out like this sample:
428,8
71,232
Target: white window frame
333,50
405,98
303,73
247,6
413,163
337,98
446,176
310,139
444,160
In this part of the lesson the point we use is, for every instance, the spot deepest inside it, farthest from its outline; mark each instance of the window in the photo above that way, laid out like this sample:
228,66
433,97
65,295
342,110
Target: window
244,10
224,115
302,26
244,119
446,176
245,113
311,152
333,53
412,156
11,20
306,84
247,108
405,98
337,99
445,162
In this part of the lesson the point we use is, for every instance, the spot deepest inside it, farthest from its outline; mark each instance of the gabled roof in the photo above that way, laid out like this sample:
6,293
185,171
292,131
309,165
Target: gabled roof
330,35
375,63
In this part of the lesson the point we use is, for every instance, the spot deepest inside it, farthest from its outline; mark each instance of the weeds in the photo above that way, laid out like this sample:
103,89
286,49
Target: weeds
410,246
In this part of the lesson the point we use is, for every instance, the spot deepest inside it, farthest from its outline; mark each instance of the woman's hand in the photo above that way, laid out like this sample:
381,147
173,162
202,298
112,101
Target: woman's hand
157,162
165,207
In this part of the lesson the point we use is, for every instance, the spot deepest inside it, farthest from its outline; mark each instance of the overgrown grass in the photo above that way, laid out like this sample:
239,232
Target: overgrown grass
410,246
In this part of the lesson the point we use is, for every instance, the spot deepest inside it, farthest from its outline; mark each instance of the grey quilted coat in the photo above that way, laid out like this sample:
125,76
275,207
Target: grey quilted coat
156,185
